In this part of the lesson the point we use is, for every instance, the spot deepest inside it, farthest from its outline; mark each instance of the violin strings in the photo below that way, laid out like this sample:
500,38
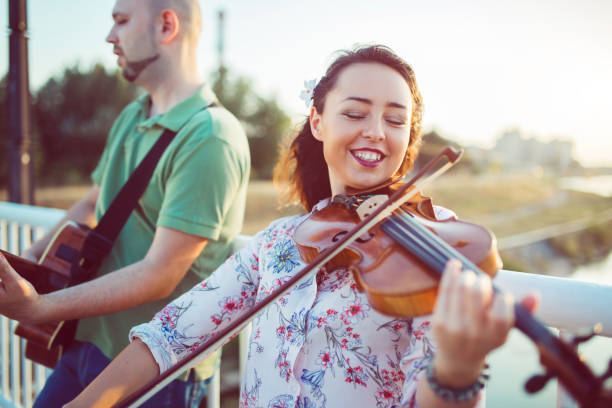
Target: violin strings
438,252
445,251
405,237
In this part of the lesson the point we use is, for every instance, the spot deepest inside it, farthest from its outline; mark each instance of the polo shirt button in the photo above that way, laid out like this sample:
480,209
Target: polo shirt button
141,128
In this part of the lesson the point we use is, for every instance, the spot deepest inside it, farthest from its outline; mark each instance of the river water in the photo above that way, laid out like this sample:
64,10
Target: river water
517,360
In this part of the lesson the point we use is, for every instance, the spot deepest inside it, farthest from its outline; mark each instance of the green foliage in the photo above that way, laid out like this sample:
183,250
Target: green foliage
432,144
264,121
73,114
589,245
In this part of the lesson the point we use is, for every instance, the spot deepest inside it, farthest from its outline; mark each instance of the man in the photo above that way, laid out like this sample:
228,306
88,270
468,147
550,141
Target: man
180,230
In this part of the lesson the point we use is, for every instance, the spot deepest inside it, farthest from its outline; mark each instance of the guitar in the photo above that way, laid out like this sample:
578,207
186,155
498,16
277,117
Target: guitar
54,271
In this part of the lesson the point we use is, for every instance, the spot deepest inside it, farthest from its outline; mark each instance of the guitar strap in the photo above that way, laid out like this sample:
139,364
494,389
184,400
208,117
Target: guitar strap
100,240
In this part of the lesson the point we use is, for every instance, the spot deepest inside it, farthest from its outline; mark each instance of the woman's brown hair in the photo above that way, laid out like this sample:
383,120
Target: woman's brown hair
302,169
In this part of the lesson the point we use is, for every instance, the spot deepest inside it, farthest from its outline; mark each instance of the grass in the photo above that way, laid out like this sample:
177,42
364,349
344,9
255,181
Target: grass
508,205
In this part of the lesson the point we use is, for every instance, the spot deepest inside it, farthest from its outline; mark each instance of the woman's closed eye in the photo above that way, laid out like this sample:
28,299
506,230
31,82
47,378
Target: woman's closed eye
354,115
396,120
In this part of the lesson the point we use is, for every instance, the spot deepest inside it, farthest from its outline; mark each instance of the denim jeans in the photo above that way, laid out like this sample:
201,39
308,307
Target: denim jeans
81,364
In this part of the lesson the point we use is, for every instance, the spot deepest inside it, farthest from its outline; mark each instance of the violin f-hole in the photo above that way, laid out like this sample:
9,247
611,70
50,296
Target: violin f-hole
362,239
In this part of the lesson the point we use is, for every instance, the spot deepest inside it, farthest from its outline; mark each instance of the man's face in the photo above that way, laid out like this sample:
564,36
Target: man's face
133,37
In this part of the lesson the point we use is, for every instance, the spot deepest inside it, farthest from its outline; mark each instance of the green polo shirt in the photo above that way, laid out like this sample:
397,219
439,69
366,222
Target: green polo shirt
198,187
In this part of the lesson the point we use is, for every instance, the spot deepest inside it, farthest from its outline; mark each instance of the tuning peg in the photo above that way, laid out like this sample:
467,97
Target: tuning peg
537,382
596,330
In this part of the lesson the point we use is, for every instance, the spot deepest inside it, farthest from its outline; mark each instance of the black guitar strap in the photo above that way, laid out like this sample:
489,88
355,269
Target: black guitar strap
100,240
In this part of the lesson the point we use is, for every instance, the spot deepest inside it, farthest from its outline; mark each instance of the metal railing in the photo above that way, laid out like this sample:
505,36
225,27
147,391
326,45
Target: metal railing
20,379
565,304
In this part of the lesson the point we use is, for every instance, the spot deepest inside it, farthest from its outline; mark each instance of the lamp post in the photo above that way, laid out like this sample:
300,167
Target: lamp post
20,175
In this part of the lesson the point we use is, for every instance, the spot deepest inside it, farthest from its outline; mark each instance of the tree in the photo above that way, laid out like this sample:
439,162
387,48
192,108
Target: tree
264,121
432,144
72,115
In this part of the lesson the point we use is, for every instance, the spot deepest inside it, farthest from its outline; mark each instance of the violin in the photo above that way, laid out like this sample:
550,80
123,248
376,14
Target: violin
391,241
398,262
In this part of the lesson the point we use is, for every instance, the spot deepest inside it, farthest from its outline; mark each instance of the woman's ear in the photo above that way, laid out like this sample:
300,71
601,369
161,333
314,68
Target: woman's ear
315,124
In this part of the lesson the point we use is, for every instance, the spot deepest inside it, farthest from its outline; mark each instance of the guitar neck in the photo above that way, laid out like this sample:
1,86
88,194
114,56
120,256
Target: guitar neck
43,279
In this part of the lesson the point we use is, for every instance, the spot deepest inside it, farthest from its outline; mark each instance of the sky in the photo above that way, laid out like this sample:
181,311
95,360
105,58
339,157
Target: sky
541,66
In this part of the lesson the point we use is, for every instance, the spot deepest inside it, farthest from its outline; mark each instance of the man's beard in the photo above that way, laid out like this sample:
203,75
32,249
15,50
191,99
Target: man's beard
134,68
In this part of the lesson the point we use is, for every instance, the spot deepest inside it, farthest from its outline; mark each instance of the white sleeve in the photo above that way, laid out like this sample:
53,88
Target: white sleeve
194,317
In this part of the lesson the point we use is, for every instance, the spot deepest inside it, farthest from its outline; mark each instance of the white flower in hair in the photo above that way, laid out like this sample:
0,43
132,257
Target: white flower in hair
308,91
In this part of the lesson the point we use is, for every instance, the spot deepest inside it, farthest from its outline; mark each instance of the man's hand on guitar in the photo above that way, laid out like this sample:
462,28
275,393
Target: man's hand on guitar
18,298
29,255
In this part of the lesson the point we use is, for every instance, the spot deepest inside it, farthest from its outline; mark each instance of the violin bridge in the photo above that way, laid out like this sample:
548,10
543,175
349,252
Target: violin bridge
368,206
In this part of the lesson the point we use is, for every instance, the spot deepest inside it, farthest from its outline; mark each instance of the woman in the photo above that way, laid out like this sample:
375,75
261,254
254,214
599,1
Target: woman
322,344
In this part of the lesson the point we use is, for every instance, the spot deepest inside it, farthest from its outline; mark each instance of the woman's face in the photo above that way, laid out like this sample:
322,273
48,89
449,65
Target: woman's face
365,126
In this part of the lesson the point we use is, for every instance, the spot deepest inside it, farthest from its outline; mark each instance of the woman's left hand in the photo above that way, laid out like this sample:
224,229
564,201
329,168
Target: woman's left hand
469,321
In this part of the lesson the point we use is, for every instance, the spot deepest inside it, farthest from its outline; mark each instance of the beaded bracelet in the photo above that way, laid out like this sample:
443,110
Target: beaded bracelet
453,395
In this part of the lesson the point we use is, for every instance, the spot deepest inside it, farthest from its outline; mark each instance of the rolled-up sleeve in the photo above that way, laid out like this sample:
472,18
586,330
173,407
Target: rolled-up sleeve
197,315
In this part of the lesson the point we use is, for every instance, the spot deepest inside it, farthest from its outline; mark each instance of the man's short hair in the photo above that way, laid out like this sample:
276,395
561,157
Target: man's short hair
188,12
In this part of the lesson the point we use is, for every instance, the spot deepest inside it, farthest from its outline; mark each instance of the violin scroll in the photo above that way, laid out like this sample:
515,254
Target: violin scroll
560,360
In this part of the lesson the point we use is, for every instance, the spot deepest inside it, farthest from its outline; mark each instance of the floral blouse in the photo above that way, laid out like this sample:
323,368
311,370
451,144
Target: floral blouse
320,345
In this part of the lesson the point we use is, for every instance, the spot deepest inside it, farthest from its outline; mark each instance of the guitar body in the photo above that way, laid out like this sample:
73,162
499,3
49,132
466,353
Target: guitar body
46,342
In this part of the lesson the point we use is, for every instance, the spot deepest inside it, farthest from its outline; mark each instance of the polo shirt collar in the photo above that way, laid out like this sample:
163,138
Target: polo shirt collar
180,114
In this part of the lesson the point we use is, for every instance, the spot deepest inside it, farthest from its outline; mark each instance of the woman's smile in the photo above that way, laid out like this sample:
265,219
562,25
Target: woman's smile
368,157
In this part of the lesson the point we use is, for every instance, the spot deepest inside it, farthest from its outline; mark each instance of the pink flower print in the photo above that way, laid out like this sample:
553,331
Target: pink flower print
354,310
420,332
386,394
168,316
232,305
355,375
283,365
324,359
289,334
